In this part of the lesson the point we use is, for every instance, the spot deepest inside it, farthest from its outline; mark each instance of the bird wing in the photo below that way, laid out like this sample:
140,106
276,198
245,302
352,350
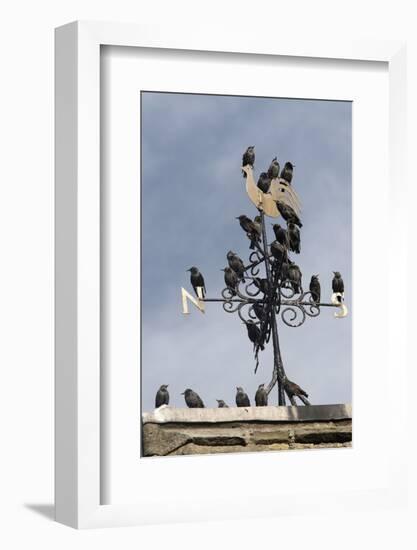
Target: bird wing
200,401
159,400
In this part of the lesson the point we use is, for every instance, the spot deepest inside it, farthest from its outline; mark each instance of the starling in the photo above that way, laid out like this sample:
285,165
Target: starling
231,279
236,264
248,158
315,288
292,389
281,234
192,399
257,222
262,284
294,237
261,397
222,404
287,171
273,170
337,284
254,334
285,266
242,399
259,311
264,182
294,276
162,396
252,229
278,251
197,280
288,213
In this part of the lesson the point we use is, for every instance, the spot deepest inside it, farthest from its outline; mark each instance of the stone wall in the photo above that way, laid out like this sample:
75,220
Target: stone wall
170,431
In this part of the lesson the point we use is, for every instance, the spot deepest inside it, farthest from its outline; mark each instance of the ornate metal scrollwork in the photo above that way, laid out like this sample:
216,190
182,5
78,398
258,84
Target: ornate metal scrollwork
295,312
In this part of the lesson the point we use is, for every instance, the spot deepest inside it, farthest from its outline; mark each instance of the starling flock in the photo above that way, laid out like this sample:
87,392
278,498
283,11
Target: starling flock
194,401
265,178
284,270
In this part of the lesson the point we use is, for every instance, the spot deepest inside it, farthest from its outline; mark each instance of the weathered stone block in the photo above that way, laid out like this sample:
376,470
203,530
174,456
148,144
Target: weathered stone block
211,431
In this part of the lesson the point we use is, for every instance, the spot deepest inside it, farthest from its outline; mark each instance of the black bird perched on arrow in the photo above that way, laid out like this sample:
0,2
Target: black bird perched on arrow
315,288
261,397
294,276
231,279
162,396
281,234
192,399
248,158
288,213
254,334
294,237
337,284
236,264
287,172
252,229
222,404
242,399
264,182
292,389
197,280
273,170
278,251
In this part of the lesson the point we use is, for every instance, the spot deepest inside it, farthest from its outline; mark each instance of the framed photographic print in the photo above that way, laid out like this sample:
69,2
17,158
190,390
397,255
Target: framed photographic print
217,313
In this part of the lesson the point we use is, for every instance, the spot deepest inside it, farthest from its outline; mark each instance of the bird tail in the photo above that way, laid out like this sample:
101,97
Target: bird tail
257,362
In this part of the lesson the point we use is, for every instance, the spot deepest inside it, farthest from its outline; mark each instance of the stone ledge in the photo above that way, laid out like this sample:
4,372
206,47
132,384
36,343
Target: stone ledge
169,431
312,413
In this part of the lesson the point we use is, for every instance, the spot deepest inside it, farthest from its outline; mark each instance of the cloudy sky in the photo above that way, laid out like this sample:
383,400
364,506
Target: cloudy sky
192,190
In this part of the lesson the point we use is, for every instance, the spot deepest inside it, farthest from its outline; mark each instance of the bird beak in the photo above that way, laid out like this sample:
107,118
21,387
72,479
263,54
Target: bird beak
188,270
183,393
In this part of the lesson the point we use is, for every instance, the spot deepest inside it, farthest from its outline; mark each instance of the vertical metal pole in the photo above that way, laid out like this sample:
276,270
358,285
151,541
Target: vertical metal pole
278,366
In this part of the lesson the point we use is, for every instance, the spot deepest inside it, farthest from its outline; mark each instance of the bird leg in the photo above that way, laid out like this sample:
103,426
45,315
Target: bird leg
303,399
293,401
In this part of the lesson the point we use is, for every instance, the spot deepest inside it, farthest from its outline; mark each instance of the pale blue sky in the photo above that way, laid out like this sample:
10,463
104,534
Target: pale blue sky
192,190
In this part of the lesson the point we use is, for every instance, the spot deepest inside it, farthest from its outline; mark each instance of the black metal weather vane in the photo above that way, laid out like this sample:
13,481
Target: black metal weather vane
259,301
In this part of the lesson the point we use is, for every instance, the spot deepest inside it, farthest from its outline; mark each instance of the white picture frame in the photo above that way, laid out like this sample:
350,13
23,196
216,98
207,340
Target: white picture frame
78,427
